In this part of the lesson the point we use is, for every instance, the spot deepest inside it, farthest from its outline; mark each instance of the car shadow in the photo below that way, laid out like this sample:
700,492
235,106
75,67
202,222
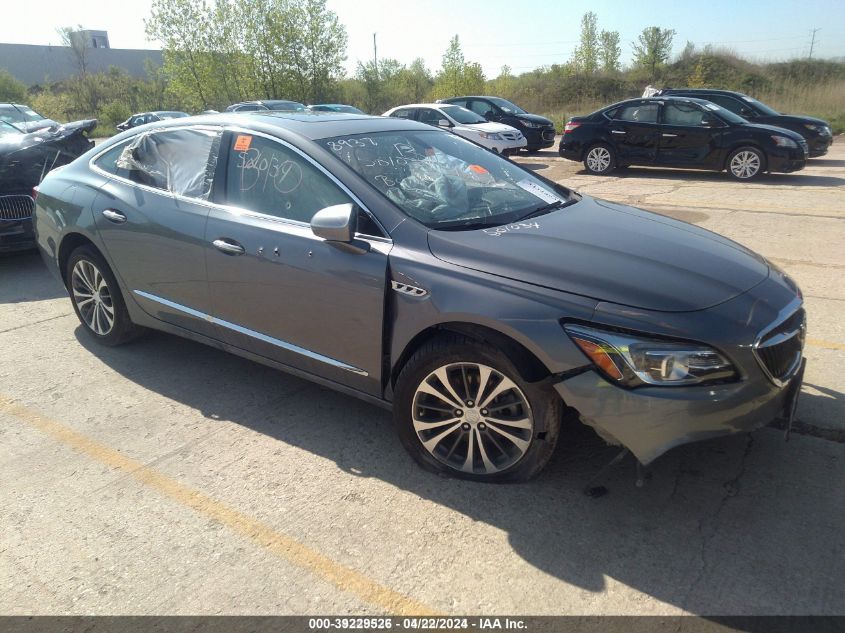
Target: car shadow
657,173
24,277
694,537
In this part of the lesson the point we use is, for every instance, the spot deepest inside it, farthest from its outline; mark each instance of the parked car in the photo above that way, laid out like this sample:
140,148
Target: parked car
680,132
815,131
25,157
150,117
335,107
24,118
407,266
538,131
500,138
267,104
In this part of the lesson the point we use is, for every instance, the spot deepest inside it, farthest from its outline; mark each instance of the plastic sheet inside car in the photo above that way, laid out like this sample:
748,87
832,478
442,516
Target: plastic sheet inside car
179,161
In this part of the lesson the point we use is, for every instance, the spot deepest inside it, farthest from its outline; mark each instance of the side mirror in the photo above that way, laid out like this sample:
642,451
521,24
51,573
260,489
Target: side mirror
337,223
444,123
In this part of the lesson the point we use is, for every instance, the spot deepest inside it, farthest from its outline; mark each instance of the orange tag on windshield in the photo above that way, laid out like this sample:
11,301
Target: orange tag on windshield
242,143
478,169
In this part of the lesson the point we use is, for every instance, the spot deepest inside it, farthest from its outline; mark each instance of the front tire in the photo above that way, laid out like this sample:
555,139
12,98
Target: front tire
746,163
600,159
463,409
97,299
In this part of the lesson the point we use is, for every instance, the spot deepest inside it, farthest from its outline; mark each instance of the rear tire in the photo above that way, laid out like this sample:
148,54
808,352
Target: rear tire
488,424
600,159
97,299
746,163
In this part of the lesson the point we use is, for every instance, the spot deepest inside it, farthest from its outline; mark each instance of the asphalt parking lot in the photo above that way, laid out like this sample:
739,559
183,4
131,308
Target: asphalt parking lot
165,477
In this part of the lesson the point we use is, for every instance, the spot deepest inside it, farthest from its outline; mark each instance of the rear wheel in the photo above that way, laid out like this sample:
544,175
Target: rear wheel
746,163
96,298
600,159
463,409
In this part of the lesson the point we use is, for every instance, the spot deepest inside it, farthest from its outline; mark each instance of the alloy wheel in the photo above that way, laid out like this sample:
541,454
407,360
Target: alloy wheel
92,297
472,418
598,159
745,164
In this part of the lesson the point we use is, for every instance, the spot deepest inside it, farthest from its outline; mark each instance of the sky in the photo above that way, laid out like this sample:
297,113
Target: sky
524,34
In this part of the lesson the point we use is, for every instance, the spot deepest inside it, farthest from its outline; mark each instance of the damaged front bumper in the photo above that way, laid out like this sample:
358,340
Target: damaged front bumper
651,420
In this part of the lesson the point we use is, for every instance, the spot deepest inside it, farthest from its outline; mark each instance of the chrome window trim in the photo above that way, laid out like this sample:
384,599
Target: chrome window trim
290,347
784,315
231,208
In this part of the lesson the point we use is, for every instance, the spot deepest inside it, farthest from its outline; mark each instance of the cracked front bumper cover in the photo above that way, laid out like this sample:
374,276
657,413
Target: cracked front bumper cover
651,420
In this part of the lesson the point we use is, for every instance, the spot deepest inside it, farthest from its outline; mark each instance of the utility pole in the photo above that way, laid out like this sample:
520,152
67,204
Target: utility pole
813,42
375,56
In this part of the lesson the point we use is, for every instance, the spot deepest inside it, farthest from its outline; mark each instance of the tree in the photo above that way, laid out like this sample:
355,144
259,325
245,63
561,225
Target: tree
610,51
10,88
587,53
324,48
75,41
652,49
457,76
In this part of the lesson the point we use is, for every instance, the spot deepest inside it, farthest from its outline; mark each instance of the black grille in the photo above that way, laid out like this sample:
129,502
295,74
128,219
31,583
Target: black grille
16,207
780,349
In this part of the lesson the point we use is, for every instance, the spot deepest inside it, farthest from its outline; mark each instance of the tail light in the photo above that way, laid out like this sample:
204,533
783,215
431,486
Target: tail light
570,125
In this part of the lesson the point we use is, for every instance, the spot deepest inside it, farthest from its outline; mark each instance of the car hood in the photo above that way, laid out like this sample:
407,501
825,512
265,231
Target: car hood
797,119
774,129
492,128
612,253
534,118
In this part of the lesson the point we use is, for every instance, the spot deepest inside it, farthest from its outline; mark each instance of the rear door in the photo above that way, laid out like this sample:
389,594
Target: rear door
635,132
685,140
151,213
278,290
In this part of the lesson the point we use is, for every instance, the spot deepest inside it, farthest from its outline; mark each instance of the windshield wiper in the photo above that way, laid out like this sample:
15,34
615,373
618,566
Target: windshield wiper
557,204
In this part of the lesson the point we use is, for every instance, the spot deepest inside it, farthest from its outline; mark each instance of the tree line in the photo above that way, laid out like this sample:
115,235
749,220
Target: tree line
218,52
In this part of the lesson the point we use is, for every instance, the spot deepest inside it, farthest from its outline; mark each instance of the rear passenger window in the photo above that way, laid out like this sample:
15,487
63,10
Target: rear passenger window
266,176
179,161
404,113
640,113
728,103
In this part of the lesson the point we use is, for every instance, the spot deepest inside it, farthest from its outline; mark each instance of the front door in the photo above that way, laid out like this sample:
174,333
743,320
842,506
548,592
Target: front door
151,213
686,137
278,290
634,132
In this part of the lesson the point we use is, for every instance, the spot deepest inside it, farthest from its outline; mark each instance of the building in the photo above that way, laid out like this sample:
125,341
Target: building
35,64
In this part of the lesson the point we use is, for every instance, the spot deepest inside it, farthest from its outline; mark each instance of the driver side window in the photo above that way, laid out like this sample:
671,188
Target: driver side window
682,114
481,108
268,177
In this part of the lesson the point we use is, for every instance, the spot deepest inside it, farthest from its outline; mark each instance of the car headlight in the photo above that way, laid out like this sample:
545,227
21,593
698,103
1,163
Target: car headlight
530,123
813,127
633,361
783,141
490,136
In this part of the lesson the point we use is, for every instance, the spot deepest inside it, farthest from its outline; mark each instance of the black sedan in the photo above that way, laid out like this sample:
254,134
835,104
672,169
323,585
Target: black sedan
815,131
24,160
680,132
537,130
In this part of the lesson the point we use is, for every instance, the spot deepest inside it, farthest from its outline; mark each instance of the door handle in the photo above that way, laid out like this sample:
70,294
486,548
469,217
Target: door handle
665,134
114,216
230,247
617,131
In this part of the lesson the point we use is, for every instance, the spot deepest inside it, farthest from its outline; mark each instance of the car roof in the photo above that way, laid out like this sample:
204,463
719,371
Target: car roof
656,99
421,105
702,91
308,125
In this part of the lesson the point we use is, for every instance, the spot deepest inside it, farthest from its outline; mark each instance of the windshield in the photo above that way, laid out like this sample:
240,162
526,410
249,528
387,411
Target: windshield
507,106
286,106
18,114
347,109
762,107
443,180
725,114
7,129
462,115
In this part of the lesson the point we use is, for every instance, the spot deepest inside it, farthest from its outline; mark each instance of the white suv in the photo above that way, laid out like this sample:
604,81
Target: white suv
498,137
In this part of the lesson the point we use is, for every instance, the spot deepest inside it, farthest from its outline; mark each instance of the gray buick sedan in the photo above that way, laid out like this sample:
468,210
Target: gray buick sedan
409,267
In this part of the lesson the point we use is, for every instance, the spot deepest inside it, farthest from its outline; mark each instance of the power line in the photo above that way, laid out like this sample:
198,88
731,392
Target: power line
813,42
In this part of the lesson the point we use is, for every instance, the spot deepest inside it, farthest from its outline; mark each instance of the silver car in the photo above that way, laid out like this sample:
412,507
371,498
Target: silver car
409,267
